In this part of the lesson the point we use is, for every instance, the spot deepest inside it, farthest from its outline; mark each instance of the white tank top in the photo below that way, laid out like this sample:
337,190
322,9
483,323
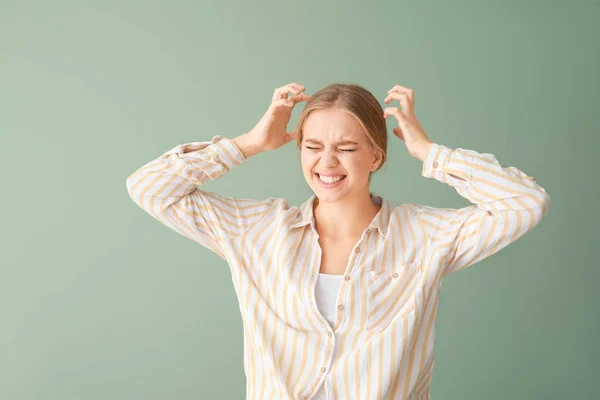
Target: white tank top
326,293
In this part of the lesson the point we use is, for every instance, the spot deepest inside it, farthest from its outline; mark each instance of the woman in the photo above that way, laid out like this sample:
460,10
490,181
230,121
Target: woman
338,296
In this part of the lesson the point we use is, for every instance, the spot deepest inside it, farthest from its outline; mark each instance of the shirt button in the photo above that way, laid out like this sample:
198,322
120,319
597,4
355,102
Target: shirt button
330,334
341,307
357,250
323,369
347,278
435,164
395,275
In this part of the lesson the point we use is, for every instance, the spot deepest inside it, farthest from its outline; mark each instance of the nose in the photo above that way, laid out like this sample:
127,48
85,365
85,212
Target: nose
330,159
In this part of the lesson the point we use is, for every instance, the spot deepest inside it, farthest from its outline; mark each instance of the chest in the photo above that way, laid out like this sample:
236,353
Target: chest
335,255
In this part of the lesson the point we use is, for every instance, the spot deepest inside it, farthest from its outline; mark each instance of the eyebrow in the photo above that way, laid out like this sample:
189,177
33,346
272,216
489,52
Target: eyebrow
338,143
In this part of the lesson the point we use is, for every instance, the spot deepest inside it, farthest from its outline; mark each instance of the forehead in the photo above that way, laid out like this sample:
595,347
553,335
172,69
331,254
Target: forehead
333,125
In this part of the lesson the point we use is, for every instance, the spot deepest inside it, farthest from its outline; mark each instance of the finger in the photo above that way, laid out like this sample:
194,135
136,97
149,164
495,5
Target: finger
404,100
298,86
282,103
294,88
282,92
300,97
292,136
399,132
396,113
402,89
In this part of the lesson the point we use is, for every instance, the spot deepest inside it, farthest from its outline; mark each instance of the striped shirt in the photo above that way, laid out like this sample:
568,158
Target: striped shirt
387,303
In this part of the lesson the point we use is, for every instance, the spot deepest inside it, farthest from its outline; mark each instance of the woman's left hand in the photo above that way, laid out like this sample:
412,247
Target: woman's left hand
409,129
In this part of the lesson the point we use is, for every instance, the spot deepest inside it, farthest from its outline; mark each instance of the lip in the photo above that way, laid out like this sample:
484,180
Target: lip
329,174
329,185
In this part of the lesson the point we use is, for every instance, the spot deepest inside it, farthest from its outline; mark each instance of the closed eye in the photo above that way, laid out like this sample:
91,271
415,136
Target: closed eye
314,148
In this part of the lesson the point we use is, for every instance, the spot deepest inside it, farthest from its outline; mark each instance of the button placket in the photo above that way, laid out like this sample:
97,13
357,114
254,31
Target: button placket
347,278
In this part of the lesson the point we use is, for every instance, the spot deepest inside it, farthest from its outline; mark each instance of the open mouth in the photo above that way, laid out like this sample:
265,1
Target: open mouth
330,180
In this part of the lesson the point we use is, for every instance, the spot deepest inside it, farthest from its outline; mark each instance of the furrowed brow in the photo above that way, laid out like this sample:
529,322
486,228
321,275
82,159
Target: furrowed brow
340,143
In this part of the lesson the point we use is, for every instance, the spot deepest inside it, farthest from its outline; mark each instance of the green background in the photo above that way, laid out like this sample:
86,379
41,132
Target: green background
99,301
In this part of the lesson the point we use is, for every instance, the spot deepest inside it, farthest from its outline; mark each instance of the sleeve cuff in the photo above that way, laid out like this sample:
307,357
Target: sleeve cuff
226,152
435,162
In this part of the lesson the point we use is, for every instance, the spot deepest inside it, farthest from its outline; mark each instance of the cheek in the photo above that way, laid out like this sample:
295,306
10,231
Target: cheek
307,164
353,160
357,164
307,160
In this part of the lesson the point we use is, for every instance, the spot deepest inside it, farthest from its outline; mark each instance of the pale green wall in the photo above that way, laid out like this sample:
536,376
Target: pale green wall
99,301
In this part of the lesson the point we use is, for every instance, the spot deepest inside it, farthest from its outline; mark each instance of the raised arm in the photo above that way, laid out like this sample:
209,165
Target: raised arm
507,203
169,187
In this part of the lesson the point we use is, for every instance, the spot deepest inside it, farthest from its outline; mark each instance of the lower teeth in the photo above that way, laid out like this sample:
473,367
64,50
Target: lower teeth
330,183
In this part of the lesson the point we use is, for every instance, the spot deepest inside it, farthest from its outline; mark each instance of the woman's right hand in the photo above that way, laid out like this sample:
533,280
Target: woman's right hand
270,132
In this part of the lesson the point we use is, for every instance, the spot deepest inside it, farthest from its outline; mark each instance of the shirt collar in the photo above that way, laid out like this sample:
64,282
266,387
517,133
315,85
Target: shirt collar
380,222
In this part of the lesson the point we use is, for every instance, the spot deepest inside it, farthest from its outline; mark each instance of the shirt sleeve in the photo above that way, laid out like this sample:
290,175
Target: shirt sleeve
168,189
507,204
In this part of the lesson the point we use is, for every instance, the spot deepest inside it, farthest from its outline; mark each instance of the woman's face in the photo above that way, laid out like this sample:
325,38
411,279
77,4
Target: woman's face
336,158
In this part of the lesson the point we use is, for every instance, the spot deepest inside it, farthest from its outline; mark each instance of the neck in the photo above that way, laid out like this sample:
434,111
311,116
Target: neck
347,217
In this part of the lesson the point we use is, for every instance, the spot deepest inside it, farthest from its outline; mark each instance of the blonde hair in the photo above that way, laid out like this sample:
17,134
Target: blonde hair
359,102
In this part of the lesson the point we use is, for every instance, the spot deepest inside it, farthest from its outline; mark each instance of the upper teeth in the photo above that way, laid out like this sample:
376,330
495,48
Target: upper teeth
330,179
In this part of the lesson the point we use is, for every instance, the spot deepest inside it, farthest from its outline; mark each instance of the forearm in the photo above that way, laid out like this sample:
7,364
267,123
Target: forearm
247,145
481,179
423,151
176,173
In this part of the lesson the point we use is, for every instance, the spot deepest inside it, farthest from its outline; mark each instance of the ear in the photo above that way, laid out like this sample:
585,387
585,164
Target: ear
377,160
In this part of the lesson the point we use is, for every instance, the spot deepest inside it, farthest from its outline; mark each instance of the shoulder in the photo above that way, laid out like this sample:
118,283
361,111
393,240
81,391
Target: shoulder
282,217
281,210
271,205
422,210
411,209
417,214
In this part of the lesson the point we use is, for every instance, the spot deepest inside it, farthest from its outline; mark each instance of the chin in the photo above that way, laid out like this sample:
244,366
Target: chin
329,196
